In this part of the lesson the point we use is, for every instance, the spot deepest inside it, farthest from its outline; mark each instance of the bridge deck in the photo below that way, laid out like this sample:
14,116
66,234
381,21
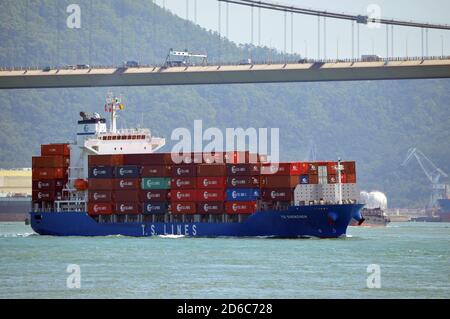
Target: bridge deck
226,74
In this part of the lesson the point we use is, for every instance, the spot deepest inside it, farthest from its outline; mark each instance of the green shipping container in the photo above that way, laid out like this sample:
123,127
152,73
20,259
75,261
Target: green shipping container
155,183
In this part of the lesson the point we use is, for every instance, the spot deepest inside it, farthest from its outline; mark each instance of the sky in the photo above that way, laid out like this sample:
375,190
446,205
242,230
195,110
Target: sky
407,41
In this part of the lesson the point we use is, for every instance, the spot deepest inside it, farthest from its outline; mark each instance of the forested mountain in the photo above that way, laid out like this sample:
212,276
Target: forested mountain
372,122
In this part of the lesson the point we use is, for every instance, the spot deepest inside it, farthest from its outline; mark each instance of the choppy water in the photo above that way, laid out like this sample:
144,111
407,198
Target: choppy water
414,260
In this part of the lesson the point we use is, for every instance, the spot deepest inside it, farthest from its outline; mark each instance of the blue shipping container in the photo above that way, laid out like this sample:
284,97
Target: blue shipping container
304,179
243,194
128,171
155,208
100,172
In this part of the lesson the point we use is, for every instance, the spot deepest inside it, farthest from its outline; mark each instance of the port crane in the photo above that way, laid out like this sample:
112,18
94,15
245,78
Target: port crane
432,172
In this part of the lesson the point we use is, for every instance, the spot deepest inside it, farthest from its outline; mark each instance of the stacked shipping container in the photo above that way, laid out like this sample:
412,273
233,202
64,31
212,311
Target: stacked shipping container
49,174
155,184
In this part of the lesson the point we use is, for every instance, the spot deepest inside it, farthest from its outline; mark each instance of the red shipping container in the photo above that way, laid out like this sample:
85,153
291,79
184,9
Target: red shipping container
183,195
57,184
211,182
211,170
243,169
313,179
156,171
243,182
331,168
183,208
101,184
240,207
100,196
278,194
105,160
55,149
282,169
126,183
211,195
127,208
183,183
313,168
332,179
129,196
189,170
50,161
351,178
156,195
46,196
279,181
211,208
148,159
48,173
349,167
96,209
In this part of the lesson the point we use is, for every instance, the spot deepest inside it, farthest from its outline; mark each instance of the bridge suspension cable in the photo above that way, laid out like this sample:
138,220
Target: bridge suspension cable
361,19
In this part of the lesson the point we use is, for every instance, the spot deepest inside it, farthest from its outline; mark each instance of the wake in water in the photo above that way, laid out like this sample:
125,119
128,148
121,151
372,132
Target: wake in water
171,236
18,235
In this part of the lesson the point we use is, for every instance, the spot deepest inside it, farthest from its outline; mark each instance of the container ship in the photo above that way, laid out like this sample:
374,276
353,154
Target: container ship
117,182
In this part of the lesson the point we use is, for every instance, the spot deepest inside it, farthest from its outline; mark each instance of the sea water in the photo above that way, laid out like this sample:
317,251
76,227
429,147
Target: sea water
403,260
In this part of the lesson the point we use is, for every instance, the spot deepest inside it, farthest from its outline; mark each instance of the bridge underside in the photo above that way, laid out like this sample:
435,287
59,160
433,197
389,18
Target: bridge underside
198,75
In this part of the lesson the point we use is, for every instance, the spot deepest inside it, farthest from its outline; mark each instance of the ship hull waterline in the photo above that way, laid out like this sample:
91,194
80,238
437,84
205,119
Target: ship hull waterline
297,222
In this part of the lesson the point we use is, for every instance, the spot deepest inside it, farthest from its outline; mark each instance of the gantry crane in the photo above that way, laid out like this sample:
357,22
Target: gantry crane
432,172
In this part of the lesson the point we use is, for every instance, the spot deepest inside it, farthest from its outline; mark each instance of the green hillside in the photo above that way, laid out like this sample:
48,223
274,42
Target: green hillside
372,122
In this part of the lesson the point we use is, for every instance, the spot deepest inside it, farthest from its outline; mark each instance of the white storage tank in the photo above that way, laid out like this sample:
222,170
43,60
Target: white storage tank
373,200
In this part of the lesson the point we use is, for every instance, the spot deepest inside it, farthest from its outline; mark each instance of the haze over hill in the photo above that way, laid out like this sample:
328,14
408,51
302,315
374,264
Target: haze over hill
372,122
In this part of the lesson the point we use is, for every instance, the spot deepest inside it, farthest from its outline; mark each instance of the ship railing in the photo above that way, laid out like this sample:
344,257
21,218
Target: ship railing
73,205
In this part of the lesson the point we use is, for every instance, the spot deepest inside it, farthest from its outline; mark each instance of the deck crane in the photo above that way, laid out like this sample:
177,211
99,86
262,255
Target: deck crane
432,172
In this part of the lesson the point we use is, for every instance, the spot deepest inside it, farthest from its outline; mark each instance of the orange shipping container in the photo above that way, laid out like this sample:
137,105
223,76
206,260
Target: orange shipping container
48,173
55,149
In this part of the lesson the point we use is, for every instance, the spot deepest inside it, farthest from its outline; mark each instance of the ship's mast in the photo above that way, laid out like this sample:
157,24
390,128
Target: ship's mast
113,103
339,169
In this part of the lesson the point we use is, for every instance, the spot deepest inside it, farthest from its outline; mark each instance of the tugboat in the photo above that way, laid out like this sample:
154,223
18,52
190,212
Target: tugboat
373,212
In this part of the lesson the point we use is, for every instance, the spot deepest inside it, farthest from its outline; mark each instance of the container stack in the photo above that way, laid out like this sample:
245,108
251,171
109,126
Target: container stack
154,195
211,186
279,181
101,194
49,174
243,188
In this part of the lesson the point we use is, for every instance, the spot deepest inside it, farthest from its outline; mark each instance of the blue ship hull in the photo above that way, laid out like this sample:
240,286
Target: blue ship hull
325,221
